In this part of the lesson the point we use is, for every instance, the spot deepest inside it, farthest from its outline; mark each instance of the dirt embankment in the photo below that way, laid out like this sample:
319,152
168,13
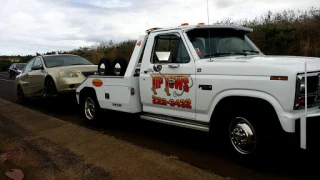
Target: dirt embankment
48,148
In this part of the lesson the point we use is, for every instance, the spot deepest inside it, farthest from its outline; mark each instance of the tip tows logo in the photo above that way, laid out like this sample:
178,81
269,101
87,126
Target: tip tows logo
176,82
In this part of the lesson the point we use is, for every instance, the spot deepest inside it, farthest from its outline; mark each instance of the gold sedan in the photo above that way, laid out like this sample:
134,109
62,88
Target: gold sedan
52,75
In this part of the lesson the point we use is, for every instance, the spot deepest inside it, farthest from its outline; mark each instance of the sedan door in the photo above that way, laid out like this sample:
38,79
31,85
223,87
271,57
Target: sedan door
36,78
24,78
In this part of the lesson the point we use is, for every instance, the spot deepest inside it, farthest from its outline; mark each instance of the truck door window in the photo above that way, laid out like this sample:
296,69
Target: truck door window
172,44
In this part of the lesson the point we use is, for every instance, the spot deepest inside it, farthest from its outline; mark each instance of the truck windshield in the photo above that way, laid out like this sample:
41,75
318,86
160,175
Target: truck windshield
221,42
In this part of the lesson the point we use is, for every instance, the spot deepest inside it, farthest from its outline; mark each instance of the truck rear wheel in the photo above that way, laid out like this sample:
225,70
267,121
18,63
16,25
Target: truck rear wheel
91,108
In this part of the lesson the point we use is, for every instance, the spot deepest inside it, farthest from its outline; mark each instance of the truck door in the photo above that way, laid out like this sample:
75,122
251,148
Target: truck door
169,88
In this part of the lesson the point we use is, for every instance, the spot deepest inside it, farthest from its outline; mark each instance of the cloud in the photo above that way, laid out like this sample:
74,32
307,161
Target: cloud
31,26
110,3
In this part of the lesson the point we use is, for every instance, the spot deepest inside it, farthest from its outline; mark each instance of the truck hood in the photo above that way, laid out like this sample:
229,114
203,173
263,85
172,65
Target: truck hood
259,65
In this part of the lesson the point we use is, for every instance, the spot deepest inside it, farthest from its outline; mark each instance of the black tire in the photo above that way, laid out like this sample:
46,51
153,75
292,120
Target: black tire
20,93
249,120
50,90
107,67
90,108
123,64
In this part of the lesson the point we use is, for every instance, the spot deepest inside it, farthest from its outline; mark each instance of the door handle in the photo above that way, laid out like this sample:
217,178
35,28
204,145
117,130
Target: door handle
148,70
174,65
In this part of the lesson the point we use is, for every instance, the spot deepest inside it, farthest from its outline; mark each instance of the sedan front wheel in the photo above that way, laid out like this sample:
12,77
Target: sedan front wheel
50,90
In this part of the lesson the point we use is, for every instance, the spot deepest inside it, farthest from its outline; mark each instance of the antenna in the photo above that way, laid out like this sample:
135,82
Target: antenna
208,10
209,29
148,25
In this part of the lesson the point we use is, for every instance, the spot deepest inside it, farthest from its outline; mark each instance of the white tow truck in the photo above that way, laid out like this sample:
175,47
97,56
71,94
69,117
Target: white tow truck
210,78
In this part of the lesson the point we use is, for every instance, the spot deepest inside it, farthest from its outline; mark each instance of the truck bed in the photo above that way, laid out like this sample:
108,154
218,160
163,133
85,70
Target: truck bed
114,92
120,93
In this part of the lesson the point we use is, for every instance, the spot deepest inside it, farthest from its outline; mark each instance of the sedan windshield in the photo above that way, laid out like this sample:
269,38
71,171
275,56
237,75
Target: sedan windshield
65,60
221,42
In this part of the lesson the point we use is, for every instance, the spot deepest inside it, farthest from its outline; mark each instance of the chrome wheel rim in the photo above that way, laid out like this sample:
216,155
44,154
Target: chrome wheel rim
242,135
89,108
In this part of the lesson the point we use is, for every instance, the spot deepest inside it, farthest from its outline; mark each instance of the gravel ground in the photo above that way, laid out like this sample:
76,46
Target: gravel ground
48,148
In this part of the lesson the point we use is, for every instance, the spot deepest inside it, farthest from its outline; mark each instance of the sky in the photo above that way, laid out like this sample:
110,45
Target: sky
30,26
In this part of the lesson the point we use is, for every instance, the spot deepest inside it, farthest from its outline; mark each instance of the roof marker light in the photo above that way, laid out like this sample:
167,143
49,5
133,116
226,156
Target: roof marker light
184,24
201,23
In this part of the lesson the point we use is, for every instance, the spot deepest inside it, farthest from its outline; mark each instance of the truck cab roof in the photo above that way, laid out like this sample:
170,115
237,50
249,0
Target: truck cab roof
191,27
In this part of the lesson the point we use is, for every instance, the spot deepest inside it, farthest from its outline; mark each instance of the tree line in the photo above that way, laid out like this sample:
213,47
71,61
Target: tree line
290,32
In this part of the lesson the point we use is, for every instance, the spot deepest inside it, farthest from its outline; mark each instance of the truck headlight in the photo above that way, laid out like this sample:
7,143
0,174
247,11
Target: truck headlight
302,85
67,74
313,97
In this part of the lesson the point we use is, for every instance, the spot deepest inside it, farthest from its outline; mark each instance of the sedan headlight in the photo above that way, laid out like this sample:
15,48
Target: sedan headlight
67,74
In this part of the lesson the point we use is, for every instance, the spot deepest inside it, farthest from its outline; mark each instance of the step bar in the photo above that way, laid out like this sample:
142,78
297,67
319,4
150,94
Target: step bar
176,122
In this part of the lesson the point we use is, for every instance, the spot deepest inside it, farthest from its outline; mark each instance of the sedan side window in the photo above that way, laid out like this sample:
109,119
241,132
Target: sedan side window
28,66
37,62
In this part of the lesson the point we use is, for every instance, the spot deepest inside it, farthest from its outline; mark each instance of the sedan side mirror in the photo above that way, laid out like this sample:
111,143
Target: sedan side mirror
36,67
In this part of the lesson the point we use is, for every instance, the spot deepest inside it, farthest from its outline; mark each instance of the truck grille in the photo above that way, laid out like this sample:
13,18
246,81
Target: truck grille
86,74
313,84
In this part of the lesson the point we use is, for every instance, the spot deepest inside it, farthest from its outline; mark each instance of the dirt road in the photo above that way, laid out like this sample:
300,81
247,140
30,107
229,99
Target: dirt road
55,149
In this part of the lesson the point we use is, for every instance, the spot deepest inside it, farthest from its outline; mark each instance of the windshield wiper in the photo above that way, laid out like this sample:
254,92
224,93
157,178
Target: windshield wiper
55,66
78,64
254,51
221,54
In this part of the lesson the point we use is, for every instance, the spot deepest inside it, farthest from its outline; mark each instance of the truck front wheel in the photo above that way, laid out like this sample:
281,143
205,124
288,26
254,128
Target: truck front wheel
242,135
249,133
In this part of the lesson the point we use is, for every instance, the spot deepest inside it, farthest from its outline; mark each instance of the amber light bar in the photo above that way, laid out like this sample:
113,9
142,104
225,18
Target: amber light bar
279,78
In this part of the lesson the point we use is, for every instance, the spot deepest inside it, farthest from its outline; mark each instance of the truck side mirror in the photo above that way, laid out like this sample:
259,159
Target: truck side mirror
157,68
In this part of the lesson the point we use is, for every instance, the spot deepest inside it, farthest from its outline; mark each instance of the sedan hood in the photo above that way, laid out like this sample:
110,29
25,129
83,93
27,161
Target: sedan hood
76,68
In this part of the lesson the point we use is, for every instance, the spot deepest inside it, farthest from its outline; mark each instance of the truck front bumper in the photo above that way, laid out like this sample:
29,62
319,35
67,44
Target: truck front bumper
307,129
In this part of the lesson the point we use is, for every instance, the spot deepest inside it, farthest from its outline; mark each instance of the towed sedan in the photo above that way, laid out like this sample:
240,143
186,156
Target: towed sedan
53,75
